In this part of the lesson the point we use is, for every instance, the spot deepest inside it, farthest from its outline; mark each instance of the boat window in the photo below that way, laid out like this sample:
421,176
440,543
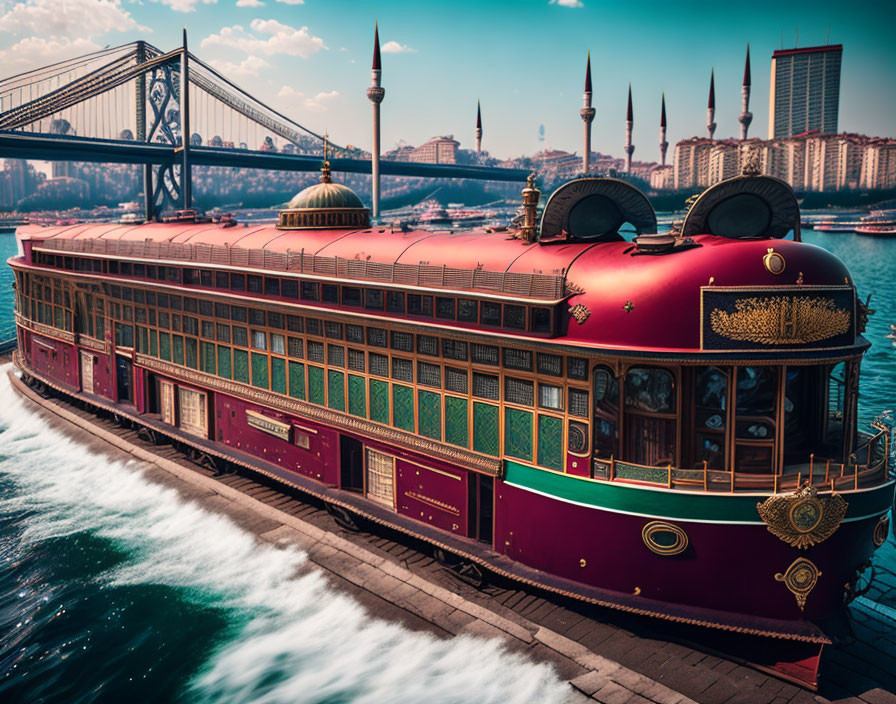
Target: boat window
836,397
577,368
541,320
329,293
710,406
259,340
467,310
445,308
757,390
606,413
373,299
395,301
206,277
309,291
490,313
550,396
351,296
253,283
650,418
515,317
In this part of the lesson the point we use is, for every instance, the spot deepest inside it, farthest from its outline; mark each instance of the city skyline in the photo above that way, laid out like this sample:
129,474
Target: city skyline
312,61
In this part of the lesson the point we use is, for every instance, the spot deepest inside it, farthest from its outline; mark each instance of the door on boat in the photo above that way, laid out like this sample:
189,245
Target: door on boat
351,460
123,373
87,372
481,494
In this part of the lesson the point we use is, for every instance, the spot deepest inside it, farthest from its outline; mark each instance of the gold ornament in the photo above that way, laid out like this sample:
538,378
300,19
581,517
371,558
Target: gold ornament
881,530
802,519
781,320
800,578
774,262
580,313
664,538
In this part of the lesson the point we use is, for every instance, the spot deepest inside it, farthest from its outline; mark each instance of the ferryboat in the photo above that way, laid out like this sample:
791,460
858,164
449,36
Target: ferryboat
667,427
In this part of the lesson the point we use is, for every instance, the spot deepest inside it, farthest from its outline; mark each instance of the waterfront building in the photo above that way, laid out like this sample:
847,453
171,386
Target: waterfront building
724,161
879,164
805,90
662,177
438,150
691,164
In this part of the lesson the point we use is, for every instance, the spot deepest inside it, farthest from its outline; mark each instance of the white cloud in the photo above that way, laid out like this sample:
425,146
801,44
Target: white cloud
71,18
186,5
250,67
270,37
568,3
33,52
249,3
294,99
394,47
292,2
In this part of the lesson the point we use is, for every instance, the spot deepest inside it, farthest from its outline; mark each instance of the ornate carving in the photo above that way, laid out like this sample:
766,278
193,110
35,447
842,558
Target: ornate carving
580,312
800,578
628,307
881,530
781,320
664,538
802,519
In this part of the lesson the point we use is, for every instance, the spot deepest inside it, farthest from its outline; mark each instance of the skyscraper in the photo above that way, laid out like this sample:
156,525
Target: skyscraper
805,90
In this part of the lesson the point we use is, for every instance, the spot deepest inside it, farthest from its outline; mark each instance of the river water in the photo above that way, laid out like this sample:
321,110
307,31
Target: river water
114,588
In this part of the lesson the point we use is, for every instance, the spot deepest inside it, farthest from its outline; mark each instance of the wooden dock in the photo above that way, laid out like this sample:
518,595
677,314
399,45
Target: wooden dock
606,656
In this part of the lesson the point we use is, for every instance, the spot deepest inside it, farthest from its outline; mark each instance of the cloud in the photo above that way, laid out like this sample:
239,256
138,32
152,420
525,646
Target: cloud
396,48
292,2
270,37
568,3
72,18
250,67
249,3
295,99
33,52
186,5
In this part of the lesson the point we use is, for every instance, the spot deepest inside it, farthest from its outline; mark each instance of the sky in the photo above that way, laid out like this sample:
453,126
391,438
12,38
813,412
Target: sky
523,59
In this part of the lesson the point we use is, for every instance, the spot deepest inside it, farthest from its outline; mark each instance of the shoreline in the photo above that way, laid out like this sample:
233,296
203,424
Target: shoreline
379,582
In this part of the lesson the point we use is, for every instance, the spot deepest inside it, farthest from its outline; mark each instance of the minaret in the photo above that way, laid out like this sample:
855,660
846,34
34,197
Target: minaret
587,113
664,145
478,128
711,106
376,94
629,123
746,117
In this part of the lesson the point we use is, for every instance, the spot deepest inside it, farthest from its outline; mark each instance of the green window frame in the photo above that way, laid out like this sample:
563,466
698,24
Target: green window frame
241,366
379,401
224,367
260,370
154,343
429,414
278,375
191,352
518,434
316,385
297,380
486,429
456,426
207,357
403,407
178,348
165,346
357,395
550,442
336,390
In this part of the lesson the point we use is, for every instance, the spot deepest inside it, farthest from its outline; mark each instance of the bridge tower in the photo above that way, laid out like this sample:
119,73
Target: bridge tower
587,114
376,94
140,113
629,123
746,117
478,128
711,106
664,145
185,170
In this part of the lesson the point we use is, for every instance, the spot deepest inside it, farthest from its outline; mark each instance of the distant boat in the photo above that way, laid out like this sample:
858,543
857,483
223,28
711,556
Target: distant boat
877,230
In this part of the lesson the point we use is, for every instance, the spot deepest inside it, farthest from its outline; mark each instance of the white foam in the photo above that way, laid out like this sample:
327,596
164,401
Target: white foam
294,639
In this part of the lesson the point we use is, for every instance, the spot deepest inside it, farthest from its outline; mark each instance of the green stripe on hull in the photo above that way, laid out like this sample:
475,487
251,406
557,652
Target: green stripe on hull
672,504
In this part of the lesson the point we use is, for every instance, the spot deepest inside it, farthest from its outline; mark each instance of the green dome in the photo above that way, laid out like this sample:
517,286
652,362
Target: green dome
325,195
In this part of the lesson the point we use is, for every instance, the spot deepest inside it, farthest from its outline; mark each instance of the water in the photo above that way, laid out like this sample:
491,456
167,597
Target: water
114,588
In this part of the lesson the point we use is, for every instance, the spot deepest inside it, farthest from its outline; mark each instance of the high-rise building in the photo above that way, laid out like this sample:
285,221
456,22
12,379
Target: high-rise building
805,91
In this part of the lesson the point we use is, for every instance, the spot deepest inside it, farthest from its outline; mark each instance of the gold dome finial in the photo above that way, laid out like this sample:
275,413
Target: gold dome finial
325,171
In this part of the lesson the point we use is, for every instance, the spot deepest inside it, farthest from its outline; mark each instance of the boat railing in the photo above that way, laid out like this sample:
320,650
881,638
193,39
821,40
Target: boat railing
867,466
548,287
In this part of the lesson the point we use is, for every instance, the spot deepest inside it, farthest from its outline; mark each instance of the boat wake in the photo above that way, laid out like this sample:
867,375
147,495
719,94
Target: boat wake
104,567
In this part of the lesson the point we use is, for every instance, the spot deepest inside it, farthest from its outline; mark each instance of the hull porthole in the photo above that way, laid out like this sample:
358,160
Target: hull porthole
664,538
881,530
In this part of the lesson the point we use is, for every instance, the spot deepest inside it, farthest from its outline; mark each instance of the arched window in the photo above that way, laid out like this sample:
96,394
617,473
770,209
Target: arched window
606,413
650,416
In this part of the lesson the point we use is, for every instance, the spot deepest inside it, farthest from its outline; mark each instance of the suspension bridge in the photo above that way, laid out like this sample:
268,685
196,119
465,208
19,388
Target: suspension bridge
134,104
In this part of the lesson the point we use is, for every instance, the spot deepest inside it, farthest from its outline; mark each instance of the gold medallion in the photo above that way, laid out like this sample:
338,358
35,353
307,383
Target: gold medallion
802,519
800,578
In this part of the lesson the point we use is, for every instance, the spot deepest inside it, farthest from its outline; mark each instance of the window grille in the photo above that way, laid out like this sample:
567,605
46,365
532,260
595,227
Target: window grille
313,326
373,299
191,305
333,329
454,349
294,323
519,391
380,478
253,283
377,337
402,341
484,354
490,313
551,396
240,336
549,364
395,301
296,347
445,308
429,374
256,317
402,369
518,359
222,310
379,364
192,411
310,291
335,356
515,317
485,386
356,360
426,344
238,313
275,320
351,296
578,403
208,329
289,288
354,333
456,380
206,308
329,293
316,351
577,368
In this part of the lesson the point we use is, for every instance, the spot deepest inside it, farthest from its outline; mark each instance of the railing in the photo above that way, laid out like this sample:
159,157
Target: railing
866,467
546,287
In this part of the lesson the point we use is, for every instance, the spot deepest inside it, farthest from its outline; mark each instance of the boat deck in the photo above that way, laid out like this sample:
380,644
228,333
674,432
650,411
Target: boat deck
687,660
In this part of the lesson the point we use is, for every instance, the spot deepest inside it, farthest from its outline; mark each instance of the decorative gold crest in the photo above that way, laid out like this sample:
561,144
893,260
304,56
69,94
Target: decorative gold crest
781,320
802,519
881,530
580,313
774,261
800,578
664,538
